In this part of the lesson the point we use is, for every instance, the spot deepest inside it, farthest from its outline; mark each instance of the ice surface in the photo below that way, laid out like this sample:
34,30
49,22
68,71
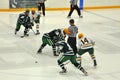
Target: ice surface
18,55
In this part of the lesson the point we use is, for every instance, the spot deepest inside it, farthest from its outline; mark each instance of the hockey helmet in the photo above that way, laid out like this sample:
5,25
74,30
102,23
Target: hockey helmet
66,31
33,11
27,11
80,35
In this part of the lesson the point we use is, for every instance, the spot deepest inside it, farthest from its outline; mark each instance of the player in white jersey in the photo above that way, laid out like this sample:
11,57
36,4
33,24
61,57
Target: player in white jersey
35,18
86,44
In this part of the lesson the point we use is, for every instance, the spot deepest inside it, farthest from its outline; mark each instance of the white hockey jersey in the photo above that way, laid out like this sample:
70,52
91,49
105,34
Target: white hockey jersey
34,17
85,43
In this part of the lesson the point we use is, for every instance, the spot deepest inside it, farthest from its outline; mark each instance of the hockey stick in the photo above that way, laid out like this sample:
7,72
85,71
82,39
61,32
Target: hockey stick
33,31
24,36
28,35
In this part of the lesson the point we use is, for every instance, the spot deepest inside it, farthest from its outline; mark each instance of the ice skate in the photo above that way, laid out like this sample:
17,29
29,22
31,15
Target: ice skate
37,32
63,71
80,16
95,63
55,54
39,51
26,34
68,16
86,74
15,32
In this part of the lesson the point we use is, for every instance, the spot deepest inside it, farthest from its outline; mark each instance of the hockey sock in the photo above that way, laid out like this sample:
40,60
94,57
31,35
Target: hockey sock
79,59
62,66
54,50
25,32
37,28
92,56
94,59
83,70
95,63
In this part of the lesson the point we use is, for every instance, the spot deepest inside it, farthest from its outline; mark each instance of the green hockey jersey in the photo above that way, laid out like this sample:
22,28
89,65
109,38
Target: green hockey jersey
64,48
23,19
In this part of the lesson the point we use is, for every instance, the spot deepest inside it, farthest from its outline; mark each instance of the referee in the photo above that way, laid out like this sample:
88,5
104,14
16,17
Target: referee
72,37
41,4
73,5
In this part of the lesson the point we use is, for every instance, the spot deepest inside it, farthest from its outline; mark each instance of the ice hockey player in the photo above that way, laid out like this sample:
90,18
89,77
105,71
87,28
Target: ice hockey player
35,18
51,38
24,20
86,44
68,54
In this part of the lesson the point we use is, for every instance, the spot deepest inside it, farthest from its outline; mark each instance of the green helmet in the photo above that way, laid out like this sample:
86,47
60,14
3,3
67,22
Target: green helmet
27,11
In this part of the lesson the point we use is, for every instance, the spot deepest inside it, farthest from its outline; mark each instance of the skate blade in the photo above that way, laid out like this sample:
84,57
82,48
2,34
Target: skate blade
62,73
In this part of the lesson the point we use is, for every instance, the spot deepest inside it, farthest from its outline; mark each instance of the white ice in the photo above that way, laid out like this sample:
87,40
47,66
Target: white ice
18,55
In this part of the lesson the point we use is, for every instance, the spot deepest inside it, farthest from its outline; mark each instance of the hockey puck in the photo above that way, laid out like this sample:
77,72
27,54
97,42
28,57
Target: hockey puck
36,62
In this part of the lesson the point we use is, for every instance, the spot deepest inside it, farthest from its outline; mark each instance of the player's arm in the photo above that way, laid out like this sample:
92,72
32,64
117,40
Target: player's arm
38,17
21,18
86,45
59,48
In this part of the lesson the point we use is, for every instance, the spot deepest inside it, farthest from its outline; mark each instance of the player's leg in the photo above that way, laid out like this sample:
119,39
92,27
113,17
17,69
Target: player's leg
91,52
74,46
79,59
37,28
17,27
43,9
78,11
61,61
41,47
44,43
37,21
49,42
71,11
54,50
39,8
26,30
80,53
72,42
77,65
